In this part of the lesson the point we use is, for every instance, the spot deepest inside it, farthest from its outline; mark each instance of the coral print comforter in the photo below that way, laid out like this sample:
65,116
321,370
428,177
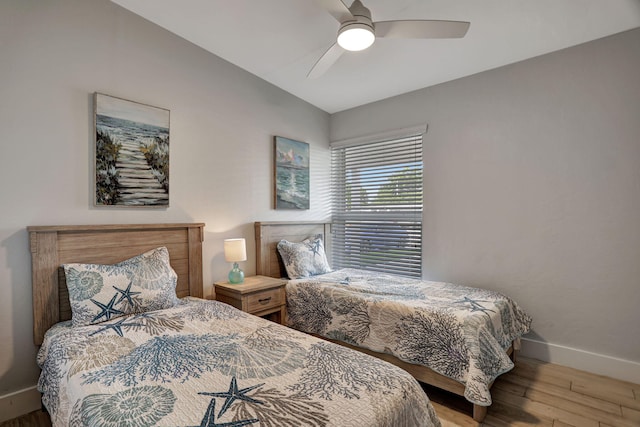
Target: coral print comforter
204,363
457,331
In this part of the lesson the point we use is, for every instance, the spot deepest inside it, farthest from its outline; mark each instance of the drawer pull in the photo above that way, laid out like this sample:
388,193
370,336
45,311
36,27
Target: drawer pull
264,300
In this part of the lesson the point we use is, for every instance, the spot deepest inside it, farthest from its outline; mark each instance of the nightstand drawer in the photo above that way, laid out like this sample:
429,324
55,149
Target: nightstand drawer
265,300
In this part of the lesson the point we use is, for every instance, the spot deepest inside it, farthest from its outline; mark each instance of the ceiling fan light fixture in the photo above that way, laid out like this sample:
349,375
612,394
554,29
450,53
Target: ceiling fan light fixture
355,36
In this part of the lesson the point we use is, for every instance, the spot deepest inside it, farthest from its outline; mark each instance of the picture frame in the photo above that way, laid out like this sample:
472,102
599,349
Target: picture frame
131,153
291,174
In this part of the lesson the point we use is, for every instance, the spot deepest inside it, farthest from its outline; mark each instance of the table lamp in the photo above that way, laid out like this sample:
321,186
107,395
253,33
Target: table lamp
235,250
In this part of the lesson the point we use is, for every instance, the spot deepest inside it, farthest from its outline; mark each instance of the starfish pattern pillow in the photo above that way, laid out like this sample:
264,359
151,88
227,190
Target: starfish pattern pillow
304,259
99,293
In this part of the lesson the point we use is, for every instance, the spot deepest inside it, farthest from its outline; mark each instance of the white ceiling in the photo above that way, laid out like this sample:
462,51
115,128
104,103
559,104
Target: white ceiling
280,40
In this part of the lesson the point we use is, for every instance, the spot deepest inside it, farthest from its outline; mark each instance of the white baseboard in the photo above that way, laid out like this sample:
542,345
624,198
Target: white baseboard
599,364
18,403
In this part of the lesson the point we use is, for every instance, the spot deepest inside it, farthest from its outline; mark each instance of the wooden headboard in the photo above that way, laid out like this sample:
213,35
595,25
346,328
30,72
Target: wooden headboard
52,246
268,234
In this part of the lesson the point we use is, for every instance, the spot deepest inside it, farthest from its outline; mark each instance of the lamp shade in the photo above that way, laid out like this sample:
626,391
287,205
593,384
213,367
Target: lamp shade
235,250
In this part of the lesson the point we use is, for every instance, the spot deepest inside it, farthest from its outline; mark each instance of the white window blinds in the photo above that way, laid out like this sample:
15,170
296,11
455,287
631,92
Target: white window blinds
377,206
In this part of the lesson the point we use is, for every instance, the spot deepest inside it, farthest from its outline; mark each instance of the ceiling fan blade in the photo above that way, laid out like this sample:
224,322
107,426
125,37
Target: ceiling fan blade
326,61
337,9
421,29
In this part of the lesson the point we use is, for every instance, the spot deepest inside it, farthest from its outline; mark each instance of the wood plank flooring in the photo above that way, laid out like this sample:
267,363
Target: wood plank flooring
533,394
33,419
543,394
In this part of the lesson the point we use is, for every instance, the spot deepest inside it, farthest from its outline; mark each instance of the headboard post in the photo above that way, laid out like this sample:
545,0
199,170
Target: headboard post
44,281
196,237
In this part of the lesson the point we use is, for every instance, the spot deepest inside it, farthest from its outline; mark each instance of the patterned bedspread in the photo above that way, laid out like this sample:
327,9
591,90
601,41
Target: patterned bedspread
205,363
457,331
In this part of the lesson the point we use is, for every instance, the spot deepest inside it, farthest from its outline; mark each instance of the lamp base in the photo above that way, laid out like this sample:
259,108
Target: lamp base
236,276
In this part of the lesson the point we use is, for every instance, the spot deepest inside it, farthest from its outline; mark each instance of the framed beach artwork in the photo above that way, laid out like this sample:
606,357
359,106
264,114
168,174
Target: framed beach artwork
131,153
291,174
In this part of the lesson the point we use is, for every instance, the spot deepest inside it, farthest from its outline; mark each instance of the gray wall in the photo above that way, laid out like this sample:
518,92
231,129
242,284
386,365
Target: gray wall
53,56
532,187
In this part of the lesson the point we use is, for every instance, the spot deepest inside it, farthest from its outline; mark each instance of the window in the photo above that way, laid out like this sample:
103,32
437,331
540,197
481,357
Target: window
377,205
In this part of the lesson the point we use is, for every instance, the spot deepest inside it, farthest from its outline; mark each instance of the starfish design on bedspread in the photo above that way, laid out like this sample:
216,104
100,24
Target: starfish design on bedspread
107,309
475,305
232,394
209,419
117,327
126,294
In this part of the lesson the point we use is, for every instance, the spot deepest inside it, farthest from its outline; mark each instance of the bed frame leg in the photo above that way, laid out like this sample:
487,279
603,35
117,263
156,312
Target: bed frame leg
479,412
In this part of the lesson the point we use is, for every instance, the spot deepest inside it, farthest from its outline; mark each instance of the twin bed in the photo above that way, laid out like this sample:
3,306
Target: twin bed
115,353
453,337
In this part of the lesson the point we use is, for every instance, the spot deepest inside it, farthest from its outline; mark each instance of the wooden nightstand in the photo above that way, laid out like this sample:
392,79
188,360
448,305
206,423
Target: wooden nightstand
259,295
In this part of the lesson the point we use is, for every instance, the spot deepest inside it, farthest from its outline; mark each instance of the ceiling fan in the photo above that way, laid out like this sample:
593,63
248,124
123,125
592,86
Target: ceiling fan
358,32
